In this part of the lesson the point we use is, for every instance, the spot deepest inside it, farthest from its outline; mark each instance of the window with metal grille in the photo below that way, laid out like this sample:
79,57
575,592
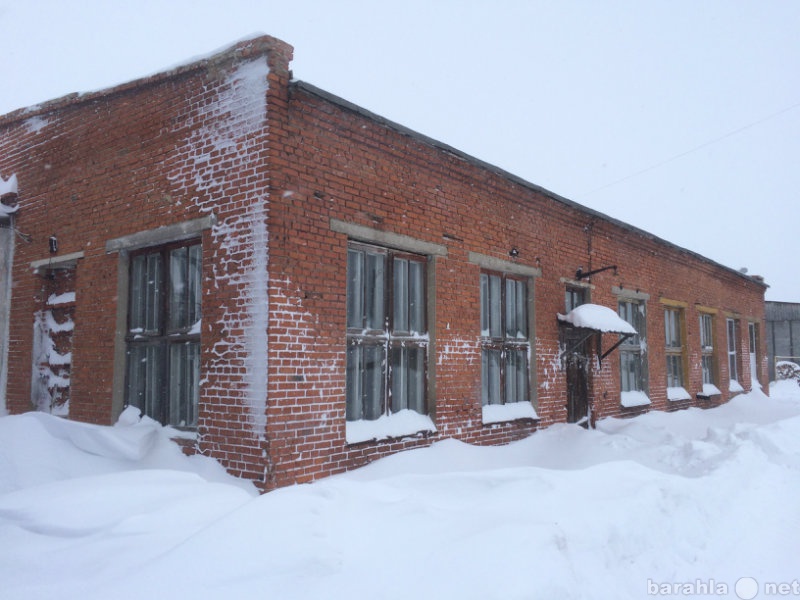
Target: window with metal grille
673,331
707,348
753,338
163,337
733,371
505,344
387,336
574,297
633,358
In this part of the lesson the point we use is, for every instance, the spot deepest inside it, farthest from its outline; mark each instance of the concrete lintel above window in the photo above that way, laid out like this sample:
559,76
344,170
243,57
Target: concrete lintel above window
630,294
576,283
706,309
505,266
162,235
64,261
673,303
389,239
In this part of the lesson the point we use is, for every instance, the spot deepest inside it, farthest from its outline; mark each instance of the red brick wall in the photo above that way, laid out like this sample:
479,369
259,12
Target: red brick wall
338,163
158,152
275,163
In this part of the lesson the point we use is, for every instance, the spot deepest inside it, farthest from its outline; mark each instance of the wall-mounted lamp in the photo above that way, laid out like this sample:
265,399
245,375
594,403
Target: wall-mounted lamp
53,243
513,253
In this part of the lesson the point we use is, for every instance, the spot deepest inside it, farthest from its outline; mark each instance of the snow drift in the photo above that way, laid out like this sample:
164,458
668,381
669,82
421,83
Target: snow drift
680,502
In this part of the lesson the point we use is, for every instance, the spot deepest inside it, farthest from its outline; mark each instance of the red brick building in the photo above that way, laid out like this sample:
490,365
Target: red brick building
303,286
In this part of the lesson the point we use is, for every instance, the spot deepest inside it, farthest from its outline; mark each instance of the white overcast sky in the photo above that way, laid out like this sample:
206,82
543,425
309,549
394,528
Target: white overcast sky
680,117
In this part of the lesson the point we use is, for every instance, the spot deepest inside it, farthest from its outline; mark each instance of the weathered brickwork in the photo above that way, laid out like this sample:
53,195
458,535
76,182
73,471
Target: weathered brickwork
268,166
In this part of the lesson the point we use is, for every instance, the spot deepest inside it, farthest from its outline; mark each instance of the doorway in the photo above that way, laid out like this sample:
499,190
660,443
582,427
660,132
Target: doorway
577,387
53,327
576,359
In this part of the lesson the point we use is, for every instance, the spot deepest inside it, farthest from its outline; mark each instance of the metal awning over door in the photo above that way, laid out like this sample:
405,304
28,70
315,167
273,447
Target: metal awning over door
589,320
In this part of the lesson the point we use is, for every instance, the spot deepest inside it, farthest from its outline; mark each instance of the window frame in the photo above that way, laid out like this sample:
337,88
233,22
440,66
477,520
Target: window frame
753,336
397,346
674,347
708,359
575,296
633,349
499,343
732,348
163,399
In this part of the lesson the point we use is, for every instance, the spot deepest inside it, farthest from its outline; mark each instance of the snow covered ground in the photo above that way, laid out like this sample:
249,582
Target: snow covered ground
664,505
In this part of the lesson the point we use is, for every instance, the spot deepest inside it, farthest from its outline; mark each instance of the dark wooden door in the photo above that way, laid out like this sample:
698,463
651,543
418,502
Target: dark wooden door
577,387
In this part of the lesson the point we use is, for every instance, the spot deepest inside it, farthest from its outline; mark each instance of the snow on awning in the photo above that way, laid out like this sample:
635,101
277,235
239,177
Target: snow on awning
595,320
598,318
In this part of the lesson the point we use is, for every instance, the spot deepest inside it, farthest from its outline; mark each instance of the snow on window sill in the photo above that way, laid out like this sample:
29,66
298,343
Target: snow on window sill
400,424
734,386
709,389
675,394
632,399
196,328
500,413
174,433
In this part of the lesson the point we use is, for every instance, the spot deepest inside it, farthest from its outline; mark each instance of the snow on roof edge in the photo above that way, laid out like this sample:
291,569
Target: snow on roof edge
260,44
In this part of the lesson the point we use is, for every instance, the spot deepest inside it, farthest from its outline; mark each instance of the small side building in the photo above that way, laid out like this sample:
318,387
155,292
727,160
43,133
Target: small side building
299,286
783,333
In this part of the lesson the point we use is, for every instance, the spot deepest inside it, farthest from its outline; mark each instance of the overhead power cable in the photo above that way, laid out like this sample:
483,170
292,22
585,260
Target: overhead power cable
695,149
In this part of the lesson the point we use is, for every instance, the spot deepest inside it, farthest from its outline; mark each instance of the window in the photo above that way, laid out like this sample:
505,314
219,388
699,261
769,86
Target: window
574,297
707,348
674,347
163,337
387,339
675,352
570,338
733,371
752,329
633,358
505,344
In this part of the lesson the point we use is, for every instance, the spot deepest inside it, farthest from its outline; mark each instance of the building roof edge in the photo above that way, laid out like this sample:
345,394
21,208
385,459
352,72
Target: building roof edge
403,130
258,45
